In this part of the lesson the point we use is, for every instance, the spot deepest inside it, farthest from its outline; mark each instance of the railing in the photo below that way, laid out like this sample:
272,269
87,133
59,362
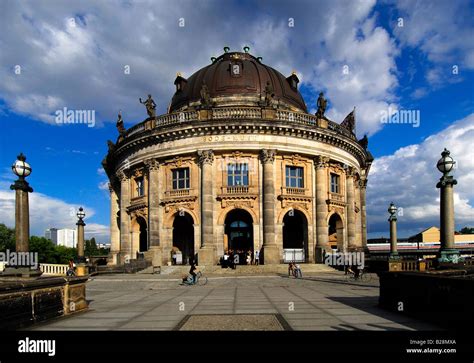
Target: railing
53,269
239,113
236,113
336,196
177,193
409,265
297,117
293,191
236,189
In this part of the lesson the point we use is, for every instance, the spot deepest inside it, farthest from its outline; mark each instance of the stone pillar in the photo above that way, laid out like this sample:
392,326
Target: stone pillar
125,225
114,227
81,268
393,237
207,252
363,212
271,253
351,225
447,252
153,211
322,238
22,214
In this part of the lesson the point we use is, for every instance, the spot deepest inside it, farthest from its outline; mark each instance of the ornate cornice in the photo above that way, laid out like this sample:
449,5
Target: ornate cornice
267,155
205,157
363,183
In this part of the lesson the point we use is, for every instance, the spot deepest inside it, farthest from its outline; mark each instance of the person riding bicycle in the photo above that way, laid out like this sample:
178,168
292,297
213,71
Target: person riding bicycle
193,271
297,271
354,269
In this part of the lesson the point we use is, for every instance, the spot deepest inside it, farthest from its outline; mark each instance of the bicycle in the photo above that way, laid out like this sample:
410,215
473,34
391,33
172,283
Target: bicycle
363,276
200,280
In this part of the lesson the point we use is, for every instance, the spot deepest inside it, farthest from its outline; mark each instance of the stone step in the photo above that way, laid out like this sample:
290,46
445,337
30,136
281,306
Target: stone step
241,269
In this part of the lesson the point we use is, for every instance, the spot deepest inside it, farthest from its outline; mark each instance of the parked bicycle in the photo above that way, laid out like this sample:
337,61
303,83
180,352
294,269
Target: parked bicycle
200,279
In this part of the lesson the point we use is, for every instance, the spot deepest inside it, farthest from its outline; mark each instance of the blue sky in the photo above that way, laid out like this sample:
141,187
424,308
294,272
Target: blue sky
73,55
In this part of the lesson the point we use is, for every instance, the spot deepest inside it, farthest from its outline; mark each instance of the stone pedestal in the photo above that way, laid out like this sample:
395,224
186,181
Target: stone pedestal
82,269
270,255
207,256
156,254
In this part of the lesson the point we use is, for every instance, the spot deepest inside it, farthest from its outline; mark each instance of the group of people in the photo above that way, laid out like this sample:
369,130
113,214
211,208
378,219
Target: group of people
232,258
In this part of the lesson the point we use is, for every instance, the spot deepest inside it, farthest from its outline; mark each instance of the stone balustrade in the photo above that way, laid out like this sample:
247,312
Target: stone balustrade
237,113
236,189
53,269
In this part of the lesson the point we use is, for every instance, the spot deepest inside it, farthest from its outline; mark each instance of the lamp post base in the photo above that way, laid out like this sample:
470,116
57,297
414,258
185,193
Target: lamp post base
24,272
449,255
82,269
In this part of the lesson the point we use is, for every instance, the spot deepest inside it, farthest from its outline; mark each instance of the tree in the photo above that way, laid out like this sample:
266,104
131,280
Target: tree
7,238
467,230
90,247
45,248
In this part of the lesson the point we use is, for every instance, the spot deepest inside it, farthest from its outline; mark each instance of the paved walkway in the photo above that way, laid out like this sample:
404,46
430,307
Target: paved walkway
324,301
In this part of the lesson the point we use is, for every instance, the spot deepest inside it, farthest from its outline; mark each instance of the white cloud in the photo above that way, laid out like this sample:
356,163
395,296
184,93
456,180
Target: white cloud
82,67
409,176
46,212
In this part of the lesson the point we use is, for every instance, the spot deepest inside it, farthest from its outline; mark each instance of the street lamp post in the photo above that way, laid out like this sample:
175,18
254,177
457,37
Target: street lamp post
447,252
22,213
81,266
392,209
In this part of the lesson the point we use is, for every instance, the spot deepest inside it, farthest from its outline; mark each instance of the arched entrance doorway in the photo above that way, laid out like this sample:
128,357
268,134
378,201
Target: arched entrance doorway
336,232
183,236
139,237
239,233
295,236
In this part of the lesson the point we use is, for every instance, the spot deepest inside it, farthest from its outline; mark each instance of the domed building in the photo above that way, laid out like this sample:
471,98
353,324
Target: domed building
236,164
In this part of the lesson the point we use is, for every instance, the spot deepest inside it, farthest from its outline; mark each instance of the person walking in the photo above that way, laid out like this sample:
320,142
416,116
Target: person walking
257,257
249,258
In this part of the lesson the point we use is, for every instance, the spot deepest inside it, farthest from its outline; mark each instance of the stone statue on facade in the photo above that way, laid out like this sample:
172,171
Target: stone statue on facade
150,105
269,94
119,124
322,104
205,96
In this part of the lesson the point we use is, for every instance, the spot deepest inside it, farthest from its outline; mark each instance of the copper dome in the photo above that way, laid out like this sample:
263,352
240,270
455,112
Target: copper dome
237,79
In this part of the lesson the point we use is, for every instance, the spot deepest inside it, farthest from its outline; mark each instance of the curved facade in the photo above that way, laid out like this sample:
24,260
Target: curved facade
237,163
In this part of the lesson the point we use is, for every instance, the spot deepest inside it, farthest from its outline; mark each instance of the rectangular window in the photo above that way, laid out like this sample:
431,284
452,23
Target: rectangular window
334,183
140,187
294,177
237,174
181,178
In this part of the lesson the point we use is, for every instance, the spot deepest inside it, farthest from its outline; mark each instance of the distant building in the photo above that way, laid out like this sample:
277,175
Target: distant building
62,237
432,235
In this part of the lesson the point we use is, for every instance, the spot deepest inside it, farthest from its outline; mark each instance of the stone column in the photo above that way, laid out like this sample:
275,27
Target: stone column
22,214
351,225
81,268
153,211
363,212
271,253
114,227
206,254
125,225
447,252
322,238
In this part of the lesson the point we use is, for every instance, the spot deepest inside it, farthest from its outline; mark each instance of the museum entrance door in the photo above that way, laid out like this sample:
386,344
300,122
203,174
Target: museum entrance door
239,233
295,236
336,232
183,237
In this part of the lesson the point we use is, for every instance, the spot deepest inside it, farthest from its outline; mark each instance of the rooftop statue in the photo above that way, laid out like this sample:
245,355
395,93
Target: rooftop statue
349,121
205,96
269,94
120,127
322,104
150,106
